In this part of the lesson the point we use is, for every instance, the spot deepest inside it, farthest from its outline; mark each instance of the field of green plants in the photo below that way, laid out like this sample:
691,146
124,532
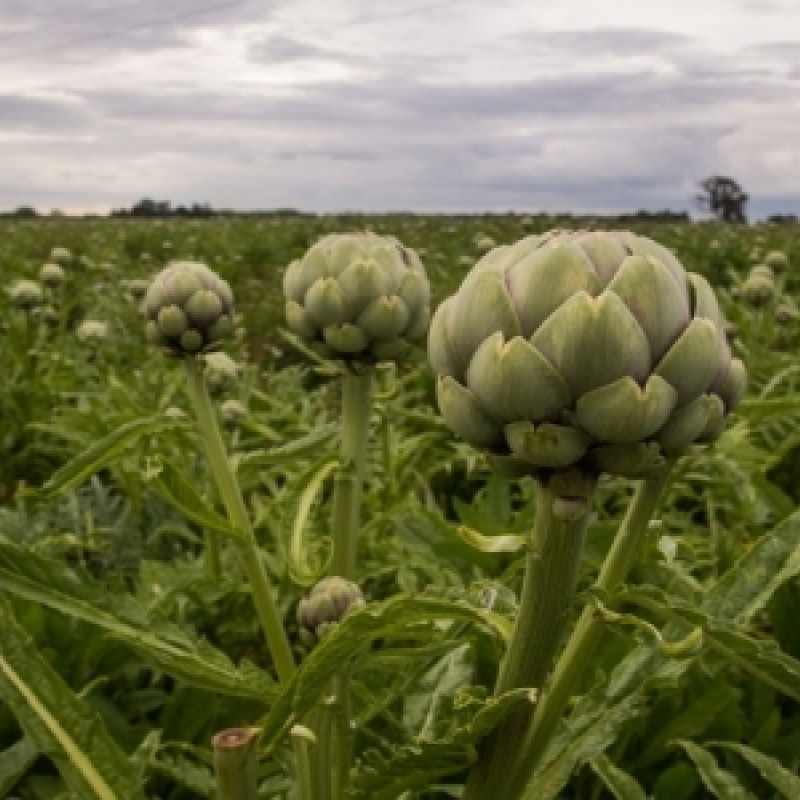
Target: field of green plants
165,516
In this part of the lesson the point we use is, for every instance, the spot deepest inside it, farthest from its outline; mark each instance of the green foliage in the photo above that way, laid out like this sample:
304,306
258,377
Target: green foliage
106,500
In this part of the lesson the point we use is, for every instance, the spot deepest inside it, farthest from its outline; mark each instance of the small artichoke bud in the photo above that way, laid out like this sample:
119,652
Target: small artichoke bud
25,295
92,331
786,312
61,256
51,276
221,372
758,290
777,261
329,601
189,309
232,413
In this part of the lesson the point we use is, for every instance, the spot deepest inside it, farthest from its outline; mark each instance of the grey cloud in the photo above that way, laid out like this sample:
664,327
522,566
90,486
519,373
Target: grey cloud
21,112
601,41
286,50
56,30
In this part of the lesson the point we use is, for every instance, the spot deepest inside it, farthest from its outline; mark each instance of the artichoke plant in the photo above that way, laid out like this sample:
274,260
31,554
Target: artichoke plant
189,309
358,296
590,349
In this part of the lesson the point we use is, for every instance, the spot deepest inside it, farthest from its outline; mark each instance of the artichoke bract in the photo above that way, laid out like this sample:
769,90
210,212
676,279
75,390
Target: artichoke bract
585,349
189,309
358,296
329,601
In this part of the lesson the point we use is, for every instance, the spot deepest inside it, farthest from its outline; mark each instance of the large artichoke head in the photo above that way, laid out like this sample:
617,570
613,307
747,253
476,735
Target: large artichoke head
189,309
358,297
583,349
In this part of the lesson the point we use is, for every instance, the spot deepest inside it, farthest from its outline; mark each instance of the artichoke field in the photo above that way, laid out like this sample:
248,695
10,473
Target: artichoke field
463,507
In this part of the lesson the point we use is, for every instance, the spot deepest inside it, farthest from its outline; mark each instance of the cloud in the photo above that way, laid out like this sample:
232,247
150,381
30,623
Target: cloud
339,106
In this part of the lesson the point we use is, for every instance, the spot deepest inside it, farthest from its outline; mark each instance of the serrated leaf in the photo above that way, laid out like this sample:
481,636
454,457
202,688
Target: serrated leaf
417,765
762,658
621,784
59,722
735,597
748,585
421,706
105,451
178,491
784,781
307,487
48,582
502,543
721,783
350,638
302,446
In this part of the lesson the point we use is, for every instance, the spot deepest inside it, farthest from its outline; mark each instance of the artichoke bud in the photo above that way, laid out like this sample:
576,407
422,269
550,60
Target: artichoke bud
25,295
583,349
329,602
232,413
51,275
777,261
353,293
758,290
221,372
189,309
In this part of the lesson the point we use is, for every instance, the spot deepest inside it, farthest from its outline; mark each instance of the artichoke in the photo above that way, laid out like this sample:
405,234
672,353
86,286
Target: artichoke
759,288
189,309
584,349
329,601
51,275
358,297
24,294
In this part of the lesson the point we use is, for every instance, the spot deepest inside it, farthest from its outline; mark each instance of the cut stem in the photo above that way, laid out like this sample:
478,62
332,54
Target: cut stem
236,764
548,590
573,664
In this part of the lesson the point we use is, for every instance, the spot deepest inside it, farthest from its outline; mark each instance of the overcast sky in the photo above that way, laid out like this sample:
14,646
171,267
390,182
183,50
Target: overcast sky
325,105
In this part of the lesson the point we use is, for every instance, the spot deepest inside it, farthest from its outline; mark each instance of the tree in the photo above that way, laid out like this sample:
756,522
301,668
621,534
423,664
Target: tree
724,198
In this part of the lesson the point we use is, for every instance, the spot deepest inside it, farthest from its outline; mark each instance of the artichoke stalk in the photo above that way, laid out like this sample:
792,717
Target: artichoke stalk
566,356
358,299
189,309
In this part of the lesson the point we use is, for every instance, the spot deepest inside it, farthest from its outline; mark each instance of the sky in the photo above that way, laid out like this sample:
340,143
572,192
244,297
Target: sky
586,106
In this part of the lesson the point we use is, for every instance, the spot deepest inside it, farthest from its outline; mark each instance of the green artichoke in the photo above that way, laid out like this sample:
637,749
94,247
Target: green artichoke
329,601
589,349
24,294
358,296
189,309
51,275
759,288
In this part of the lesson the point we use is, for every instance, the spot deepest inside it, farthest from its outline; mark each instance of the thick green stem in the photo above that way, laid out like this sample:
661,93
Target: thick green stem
266,608
356,410
236,764
575,660
332,755
548,591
